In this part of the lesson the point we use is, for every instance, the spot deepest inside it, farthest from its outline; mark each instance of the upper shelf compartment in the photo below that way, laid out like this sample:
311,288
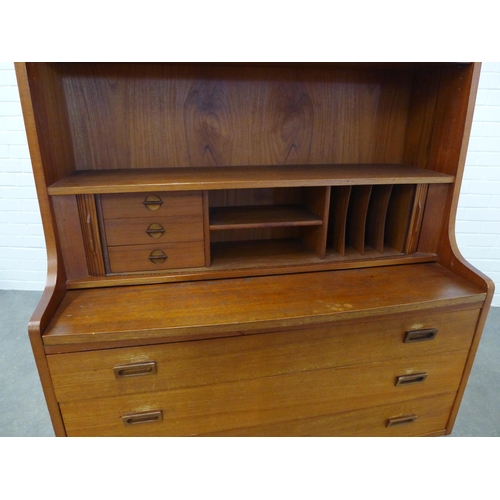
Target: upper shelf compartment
212,178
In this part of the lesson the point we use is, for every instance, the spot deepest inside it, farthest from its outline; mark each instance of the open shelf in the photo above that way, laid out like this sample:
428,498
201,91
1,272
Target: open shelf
249,217
241,177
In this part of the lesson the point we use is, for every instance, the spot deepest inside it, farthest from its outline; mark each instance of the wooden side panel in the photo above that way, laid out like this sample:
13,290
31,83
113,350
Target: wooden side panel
56,278
90,231
70,235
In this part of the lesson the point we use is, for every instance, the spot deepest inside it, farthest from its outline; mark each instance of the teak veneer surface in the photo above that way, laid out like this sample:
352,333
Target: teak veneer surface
196,410
86,375
432,413
239,305
244,177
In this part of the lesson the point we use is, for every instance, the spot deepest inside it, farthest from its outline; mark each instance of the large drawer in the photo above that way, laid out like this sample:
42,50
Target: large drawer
416,417
263,401
91,374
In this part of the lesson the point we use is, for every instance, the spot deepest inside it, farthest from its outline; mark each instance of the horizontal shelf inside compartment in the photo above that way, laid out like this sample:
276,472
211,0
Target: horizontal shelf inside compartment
282,252
241,177
246,217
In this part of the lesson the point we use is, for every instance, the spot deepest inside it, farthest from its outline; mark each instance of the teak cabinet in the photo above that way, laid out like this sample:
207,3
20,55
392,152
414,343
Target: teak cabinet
253,249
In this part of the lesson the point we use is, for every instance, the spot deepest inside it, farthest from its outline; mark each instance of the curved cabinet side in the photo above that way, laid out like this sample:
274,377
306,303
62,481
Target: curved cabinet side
55,288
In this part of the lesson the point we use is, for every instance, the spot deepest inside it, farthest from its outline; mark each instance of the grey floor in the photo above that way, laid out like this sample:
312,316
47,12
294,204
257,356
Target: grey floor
23,411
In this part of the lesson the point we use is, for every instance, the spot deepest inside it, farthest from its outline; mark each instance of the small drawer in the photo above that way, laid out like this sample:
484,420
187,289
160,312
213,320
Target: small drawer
153,230
126,206
137,258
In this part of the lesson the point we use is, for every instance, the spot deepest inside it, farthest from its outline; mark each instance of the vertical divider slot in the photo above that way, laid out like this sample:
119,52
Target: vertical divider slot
399,214
377,214
317,201
337,225
356,217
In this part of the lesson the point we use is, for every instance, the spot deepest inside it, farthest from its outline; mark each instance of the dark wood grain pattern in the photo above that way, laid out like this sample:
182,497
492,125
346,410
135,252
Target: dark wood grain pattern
91,235
232,115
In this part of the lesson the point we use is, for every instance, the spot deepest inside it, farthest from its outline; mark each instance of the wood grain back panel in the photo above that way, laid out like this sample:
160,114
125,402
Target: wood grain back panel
169,115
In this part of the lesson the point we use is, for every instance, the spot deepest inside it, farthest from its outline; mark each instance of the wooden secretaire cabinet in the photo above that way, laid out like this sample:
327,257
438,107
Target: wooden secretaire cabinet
253,249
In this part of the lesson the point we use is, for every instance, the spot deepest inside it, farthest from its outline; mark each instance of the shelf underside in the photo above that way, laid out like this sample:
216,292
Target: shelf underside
241,177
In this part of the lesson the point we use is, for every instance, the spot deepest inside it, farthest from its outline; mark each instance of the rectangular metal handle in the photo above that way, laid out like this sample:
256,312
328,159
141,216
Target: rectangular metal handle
406,419
143,417
135,369
420,335
413,378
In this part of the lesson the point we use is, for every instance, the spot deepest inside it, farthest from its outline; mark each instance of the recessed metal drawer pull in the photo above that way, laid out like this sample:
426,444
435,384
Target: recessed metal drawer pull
152,202
144,417
420,335
135,369
155,230
414,378
406,419
157,257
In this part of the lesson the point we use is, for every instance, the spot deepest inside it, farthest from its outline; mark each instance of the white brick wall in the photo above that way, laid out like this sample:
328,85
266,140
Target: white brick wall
478,217
22,249
23,261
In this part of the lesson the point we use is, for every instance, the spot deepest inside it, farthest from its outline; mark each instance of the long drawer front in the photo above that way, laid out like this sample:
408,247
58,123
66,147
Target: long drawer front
115,372
266,401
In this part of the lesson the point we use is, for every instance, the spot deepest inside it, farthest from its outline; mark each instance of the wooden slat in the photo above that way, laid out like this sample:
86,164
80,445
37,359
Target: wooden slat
417,215
377,213
398,216
339,204
196,178
356,217
219,307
